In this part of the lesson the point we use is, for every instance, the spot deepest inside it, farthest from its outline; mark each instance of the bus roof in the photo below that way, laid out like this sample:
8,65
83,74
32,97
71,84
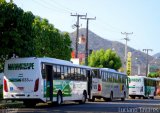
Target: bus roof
49,60
111,70
141,77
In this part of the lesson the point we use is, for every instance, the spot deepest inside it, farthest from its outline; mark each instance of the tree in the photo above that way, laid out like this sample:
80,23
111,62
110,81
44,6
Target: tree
23,34
15,32
104,59
154,74
49,42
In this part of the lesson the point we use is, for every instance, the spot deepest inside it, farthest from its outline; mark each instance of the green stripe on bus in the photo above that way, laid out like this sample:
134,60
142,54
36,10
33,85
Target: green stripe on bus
15,80
131,86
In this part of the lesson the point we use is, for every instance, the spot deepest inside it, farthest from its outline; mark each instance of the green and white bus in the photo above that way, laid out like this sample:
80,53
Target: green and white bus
141,86
109,84
34,80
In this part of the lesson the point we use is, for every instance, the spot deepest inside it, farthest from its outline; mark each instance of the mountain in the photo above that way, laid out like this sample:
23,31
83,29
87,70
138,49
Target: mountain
96,42
157,55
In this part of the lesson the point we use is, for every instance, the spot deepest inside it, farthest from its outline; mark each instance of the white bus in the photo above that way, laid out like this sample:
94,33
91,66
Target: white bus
34,80
1,85
109,84
141,86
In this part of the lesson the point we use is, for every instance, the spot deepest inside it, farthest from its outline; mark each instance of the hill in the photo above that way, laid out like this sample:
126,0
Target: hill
157,55
96,42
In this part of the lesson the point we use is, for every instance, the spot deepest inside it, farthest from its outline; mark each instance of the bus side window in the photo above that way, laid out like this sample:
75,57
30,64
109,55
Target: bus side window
81,73
55,72
116,78
58,74
105,74
112,77
93,74
72,73
102,77
62,72
68,73
65,73
78,74
108,77
43,71
85,74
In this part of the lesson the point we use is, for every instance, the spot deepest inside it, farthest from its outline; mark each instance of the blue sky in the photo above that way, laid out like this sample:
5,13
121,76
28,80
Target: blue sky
142,17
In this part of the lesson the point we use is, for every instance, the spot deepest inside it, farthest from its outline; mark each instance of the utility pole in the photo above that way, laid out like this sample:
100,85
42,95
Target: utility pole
125,56
77,25
146,50
138,66
86,45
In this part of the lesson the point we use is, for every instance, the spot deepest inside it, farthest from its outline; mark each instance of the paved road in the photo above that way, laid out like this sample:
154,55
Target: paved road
133,106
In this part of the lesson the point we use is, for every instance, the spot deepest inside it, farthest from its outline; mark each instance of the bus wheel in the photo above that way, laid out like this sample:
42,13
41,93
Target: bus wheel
152,97
84,97
59,98
111,97
132,97
93,99
124,96
144,97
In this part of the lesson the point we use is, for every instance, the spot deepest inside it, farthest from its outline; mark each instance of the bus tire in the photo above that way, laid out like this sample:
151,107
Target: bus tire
93,99
145,97
111,96
84,97
152,97
132,97
124,96
59,98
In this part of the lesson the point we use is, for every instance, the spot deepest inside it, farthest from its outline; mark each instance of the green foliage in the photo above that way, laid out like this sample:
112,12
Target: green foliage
104,59
48,41
23,34
15,30
154,74
2,1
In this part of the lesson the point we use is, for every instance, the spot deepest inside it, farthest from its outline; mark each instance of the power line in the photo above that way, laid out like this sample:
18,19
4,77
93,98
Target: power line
51,8
77,25
67,10
63,6
62,9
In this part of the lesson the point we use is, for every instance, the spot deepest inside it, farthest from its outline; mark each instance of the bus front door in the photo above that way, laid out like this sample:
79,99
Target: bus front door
49,83
89,83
